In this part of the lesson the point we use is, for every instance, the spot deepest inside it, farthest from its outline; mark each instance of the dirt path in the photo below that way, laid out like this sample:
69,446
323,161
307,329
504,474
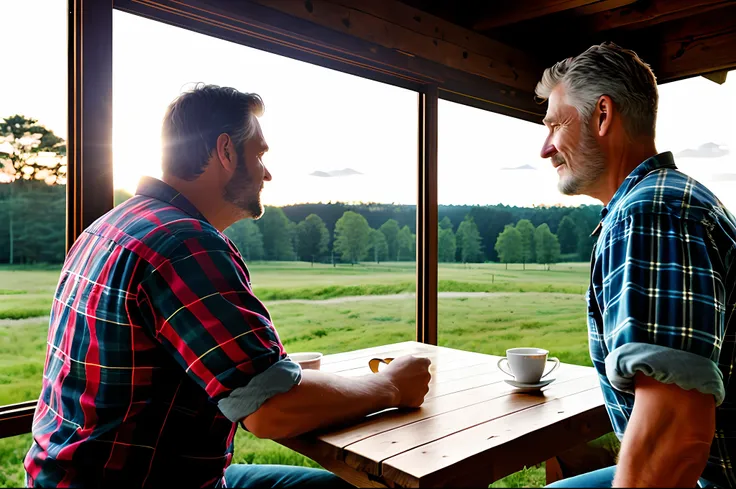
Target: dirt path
24,321
336,300
408,295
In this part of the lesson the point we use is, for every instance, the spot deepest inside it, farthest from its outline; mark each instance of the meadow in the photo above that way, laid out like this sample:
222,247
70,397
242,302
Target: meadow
482,307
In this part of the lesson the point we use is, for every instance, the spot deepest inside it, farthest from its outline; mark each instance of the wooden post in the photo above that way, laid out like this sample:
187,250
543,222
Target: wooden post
553,470
427,218
89,142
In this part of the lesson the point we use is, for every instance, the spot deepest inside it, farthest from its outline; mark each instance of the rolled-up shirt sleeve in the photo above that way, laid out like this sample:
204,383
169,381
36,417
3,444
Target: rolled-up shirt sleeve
277,379
662,303
200,307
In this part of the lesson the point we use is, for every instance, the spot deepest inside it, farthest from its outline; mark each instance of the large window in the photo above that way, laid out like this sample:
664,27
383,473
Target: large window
32,201
497,289
333,256
497,199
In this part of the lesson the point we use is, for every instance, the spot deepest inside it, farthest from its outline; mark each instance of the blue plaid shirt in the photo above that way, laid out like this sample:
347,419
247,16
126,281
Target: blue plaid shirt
663,295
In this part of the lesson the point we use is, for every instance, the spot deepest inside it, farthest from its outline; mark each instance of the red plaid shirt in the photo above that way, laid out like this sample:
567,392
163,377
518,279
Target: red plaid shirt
153,322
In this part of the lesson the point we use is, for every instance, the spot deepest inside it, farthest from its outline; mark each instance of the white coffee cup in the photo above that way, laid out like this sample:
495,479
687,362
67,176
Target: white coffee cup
308,360
527,364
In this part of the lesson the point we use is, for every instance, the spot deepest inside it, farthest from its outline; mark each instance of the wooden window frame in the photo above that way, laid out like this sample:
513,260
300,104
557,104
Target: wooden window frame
90,81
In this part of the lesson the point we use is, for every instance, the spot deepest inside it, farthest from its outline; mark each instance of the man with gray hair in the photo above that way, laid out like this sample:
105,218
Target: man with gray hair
662,294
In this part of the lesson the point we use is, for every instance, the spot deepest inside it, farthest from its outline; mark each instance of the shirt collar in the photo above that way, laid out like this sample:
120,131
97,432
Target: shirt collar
156,189
657,162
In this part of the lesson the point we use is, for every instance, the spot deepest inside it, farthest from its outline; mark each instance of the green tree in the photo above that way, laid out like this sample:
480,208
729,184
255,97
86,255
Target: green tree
378,247
586,218
446,223
447,245
248,238
407,244
390,229
351,236
568,234
548,246
528,247
277,235
39,230
294,235
509,245
313,237
28,152
468,239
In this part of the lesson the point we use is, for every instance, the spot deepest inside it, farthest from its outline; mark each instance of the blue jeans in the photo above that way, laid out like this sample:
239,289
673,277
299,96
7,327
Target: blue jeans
602,478
281,476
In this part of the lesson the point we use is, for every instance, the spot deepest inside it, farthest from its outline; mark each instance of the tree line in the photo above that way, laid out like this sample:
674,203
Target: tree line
276,237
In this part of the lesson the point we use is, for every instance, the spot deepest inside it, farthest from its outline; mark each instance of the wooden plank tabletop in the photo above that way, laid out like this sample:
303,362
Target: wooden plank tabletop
472,429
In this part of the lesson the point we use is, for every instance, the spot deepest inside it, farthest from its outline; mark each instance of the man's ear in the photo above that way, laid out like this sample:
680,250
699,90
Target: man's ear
603,115
226,152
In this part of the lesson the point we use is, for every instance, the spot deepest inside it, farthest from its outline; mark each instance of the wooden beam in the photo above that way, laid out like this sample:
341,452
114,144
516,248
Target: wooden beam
405,29
717,77
16,419
639,15
701,44
512,11
427,218
267,29
89,142
601,6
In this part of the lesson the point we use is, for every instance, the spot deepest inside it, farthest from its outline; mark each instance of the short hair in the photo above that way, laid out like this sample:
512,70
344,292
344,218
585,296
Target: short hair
194,121
608,69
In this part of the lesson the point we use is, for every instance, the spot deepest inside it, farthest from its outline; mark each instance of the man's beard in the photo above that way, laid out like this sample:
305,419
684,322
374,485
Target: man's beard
578,181
242,192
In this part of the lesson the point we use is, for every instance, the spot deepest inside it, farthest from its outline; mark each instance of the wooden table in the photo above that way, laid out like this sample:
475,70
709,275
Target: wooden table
472,429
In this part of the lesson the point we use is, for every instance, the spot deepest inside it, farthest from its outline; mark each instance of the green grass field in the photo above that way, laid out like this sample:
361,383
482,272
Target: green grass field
532,307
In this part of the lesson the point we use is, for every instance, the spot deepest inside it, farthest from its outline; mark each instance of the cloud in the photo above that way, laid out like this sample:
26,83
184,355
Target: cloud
345,172
707,150
522,167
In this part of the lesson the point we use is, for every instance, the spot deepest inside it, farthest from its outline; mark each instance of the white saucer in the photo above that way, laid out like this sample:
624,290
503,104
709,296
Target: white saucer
529,387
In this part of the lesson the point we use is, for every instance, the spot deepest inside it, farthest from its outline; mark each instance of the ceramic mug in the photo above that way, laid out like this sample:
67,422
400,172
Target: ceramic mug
527,364
373,363
311,360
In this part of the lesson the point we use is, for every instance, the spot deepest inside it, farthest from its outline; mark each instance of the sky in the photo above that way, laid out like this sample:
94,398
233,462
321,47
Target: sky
320,120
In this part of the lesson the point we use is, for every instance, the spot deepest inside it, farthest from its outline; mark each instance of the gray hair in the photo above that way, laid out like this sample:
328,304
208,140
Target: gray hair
607,69
194,121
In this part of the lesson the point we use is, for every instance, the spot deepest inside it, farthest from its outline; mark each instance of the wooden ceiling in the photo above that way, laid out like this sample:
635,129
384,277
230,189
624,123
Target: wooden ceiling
678,38
489,54
511,41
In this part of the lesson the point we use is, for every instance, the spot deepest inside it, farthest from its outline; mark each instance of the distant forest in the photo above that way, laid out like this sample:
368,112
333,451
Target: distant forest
34,222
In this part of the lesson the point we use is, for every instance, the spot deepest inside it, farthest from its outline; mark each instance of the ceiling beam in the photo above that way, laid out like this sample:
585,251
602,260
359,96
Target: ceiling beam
717,77
682,59
405,29
601,6
644,14
704,43
508,12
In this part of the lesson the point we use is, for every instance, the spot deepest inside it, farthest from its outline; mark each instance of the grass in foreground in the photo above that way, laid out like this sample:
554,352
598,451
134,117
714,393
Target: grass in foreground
538,317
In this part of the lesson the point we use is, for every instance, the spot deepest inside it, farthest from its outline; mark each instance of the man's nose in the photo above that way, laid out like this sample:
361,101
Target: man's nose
548,150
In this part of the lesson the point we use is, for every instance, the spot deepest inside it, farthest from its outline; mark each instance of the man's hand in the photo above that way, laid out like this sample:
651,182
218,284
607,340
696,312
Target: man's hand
668,437
410,376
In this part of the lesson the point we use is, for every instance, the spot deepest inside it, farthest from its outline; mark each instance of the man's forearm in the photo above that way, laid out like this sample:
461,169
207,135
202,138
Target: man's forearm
668,437
654,455
321,399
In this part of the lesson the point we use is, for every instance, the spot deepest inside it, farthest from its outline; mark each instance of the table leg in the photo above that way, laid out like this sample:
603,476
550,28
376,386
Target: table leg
553,470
